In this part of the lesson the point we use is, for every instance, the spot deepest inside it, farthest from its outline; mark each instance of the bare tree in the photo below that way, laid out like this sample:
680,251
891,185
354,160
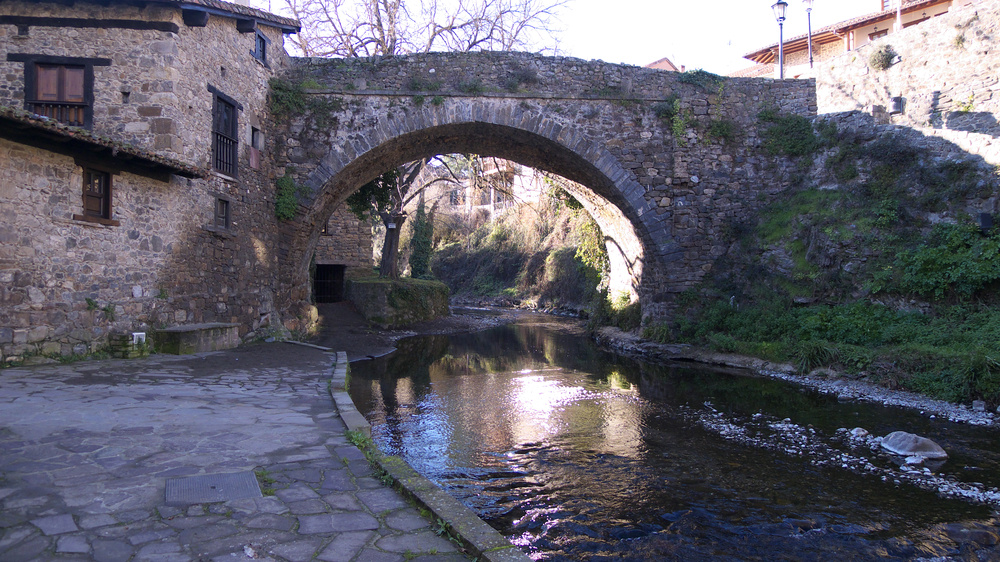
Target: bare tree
364,28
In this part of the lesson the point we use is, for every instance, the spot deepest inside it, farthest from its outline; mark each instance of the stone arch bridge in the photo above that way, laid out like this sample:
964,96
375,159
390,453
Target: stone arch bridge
666,160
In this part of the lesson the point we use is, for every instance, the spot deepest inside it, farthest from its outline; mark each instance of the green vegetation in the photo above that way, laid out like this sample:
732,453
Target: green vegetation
881,58
966,106
472,87
722,129
266,481
791,135
620,311
416,84
519,77
286,197
855,277
701,78
288,99
948,353
437,100
422,243
552,254
91,304
956,261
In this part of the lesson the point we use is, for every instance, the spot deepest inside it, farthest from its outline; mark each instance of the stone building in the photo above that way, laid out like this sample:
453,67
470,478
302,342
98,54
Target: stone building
128,130
833,40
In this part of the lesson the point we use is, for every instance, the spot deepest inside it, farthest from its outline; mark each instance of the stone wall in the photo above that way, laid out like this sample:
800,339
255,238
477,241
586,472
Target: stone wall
347,241
65,284
948,77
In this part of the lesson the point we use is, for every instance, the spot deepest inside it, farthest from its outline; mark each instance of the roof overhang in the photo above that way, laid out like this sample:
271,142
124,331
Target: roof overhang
33,130
836,32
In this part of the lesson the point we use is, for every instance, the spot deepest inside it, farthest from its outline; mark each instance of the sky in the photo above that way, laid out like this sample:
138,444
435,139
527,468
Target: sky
711,35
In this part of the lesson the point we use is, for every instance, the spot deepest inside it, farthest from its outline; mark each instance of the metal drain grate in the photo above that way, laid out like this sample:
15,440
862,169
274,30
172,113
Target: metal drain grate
210,488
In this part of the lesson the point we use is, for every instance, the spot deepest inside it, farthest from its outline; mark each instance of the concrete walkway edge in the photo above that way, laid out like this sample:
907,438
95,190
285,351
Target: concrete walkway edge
483,541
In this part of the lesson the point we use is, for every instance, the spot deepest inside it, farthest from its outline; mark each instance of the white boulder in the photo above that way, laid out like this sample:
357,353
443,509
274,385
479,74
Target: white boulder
910,445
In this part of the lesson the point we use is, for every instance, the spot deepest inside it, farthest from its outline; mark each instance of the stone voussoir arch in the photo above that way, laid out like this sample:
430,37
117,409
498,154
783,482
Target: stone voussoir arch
495,129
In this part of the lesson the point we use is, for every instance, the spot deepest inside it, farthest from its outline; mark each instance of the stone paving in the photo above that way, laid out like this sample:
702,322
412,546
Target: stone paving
86,449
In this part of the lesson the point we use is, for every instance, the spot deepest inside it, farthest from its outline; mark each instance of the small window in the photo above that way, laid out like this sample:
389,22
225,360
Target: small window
326,230
96,194
224,143
256,140
260,47
878,34
222,213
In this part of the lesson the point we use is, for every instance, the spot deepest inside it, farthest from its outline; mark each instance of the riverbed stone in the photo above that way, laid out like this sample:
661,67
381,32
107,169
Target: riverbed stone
908,444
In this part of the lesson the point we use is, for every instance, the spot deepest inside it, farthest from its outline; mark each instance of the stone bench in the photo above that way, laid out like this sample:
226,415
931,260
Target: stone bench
196,338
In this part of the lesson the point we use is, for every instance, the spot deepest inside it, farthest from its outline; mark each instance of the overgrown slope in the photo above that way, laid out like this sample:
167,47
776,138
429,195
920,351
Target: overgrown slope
877,262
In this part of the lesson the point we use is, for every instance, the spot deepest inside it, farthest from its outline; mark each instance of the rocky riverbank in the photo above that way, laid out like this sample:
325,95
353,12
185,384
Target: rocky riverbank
823,380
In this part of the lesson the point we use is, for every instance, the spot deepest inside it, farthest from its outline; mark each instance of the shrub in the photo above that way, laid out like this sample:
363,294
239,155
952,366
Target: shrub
722,129
286,198
881,58
956,259
791,135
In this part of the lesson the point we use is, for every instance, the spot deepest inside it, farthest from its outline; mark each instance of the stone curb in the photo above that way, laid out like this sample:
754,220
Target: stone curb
483,542
345,406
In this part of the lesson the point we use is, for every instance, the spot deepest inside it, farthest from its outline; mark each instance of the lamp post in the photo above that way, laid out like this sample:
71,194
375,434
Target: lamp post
809,23
779,14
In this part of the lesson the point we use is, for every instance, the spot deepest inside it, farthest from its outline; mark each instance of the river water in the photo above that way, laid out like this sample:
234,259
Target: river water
578,454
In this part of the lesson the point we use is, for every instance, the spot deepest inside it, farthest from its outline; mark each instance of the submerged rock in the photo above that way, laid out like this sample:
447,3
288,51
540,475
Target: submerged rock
910,445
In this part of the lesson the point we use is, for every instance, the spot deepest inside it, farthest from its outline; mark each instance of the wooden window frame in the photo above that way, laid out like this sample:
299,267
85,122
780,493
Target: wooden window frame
225,144
31,64
107,205
876,35
260,47
223,213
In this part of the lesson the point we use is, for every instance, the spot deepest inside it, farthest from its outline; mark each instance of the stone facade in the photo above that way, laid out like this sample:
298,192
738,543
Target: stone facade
346,241
591,122
160,259
948,78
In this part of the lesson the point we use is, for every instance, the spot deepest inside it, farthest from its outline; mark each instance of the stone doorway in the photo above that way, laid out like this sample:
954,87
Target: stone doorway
328,284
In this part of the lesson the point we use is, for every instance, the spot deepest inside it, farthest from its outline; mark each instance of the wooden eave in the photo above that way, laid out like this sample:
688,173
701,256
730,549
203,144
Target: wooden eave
32,130
770,54
835,32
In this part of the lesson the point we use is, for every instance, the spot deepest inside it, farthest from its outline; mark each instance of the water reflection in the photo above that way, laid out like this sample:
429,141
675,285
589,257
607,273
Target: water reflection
577,454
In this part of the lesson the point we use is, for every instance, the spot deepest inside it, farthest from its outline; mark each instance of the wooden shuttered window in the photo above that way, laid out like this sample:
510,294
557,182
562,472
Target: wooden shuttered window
96,194
60,93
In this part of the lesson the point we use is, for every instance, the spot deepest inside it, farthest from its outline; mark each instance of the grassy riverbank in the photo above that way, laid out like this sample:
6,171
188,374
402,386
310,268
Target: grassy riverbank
948,351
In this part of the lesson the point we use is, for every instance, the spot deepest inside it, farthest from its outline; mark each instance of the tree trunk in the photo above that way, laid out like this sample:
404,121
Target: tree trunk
390,250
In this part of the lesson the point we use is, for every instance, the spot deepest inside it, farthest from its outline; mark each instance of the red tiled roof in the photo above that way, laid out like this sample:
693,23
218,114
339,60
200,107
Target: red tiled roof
237,9
27,128
838,29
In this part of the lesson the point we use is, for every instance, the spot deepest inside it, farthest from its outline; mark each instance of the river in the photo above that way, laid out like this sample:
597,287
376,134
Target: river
578,454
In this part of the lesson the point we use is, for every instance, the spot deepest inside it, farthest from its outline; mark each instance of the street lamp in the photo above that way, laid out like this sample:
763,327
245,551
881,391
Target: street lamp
809,9
779,14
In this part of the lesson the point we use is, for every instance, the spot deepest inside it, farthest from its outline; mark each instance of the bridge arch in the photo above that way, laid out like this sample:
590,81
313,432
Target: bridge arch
502,128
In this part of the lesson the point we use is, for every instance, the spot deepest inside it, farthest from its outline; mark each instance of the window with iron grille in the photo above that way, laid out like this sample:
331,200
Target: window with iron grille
225,144
96,194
